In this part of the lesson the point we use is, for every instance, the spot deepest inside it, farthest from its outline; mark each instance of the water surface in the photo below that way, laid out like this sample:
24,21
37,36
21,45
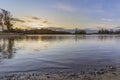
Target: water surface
58,52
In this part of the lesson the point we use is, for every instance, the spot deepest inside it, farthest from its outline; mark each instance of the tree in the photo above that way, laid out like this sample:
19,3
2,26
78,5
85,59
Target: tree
105,31
5,19
78,31
1,21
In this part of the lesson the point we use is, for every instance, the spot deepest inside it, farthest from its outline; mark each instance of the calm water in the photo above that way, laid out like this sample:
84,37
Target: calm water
58,52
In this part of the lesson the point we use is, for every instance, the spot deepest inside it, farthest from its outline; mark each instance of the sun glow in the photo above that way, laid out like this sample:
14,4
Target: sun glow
31,22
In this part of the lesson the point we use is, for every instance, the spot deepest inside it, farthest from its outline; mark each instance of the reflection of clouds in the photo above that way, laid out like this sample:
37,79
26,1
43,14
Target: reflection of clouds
60,49
31,45
45,42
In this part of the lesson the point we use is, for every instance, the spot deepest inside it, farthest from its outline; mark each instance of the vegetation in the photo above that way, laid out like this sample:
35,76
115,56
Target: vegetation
105,31
37,31
78,31
117,32
5,20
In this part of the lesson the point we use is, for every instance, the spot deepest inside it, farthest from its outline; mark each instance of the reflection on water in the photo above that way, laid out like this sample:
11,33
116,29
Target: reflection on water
6,48
7,43
74,52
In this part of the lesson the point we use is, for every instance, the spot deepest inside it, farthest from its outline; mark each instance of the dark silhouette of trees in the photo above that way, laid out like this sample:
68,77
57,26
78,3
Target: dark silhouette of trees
5,19
37,31
105,31
78,31
1,21
117,32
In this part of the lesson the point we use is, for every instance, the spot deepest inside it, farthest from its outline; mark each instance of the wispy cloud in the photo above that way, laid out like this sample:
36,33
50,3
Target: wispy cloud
103,26
65,7
18,20
31,22
106,19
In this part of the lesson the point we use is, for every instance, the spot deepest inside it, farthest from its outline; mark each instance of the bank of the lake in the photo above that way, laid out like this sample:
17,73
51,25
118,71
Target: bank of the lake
59,76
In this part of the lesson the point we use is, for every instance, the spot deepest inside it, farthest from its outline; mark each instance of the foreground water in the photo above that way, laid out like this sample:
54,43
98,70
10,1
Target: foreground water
52,53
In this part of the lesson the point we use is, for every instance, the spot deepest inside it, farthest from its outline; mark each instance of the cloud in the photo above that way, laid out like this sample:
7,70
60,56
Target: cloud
31,22
33,17
118,27
18,20
64,7
103,26
45,21
106,19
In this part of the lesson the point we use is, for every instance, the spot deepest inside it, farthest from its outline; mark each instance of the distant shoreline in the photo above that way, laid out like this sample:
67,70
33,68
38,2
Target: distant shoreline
3,33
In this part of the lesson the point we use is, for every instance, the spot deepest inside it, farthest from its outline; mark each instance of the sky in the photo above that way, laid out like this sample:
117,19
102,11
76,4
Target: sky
83,14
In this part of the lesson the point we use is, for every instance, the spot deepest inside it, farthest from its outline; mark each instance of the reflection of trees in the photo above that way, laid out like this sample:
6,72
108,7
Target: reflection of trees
7,43
79,37
54,38
48,38
6,48
62,38
105,37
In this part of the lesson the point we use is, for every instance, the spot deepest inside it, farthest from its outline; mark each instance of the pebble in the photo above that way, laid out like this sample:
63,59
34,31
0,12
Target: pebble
39,76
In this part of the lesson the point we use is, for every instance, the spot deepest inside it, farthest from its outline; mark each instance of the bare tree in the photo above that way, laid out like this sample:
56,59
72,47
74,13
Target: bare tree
5,19
1,21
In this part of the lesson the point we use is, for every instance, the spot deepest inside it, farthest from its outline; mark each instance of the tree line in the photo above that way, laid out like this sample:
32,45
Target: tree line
101,31
35,31
105,31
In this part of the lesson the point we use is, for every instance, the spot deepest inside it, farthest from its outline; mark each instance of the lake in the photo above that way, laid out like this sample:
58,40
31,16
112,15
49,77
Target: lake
53,53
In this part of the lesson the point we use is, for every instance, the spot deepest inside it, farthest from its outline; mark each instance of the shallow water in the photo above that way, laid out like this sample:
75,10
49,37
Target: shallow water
58,52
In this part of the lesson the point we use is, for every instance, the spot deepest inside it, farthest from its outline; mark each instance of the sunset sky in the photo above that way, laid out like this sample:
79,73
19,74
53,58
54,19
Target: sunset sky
83,14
